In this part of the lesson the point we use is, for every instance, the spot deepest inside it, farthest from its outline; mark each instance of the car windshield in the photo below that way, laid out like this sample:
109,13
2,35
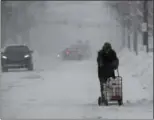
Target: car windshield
16,49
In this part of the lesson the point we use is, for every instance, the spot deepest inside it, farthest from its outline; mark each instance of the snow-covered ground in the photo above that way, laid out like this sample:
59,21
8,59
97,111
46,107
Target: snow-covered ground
70,90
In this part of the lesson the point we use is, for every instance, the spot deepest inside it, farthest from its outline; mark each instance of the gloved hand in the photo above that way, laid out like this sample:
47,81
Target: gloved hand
101,65
115,64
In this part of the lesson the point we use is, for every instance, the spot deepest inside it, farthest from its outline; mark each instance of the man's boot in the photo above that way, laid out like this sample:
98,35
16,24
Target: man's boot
102,92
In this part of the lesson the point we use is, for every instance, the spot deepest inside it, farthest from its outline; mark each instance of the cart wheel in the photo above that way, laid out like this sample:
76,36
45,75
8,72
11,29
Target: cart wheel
99,101
120,102
106,102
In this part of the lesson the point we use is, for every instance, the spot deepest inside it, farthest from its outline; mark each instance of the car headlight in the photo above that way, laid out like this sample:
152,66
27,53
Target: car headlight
26,56
58,55
4,57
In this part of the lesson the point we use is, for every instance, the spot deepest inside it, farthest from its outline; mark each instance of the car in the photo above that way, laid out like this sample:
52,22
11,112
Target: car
71,53
16,56
85,48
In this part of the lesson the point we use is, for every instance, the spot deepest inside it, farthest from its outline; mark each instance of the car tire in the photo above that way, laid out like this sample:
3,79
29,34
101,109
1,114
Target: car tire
120,102
4,69
30,67
80,57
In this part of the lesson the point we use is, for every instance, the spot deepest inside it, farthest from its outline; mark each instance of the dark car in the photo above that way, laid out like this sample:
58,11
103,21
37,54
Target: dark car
16,56
71,54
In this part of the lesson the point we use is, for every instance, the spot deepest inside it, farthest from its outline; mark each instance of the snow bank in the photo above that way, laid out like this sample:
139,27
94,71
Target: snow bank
137,73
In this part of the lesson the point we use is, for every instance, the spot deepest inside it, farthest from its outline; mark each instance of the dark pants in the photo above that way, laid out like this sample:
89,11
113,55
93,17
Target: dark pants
102,82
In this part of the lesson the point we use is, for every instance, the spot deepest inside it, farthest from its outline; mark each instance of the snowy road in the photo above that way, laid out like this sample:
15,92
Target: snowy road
68,90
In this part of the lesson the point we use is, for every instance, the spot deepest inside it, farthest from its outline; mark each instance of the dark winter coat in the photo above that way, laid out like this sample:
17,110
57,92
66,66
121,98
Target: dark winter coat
107,63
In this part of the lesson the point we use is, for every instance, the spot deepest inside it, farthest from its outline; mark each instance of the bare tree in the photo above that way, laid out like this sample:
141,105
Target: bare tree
17,20
125,9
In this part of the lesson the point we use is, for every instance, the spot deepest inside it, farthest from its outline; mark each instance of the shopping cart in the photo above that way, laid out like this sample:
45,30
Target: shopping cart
112,91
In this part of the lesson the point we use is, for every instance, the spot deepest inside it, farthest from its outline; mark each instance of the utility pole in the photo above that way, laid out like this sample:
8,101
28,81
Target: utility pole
123,32
122,27
135,26
145,25
0,40
129,32
128,26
